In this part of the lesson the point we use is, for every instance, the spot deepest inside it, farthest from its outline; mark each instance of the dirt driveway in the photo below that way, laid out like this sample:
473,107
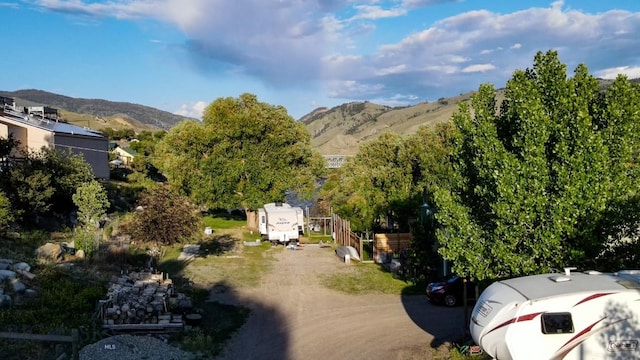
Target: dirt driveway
295,317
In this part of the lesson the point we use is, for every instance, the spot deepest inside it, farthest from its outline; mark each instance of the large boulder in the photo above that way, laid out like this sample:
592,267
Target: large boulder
49,251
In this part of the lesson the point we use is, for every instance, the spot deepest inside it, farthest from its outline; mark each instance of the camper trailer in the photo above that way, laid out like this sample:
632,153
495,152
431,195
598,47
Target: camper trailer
570,315
280,223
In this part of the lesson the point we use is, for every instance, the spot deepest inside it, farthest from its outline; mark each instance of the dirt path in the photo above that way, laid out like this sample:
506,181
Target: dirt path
295,317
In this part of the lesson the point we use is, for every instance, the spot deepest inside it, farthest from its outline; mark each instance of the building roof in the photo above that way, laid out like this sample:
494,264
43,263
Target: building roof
50,125
128,151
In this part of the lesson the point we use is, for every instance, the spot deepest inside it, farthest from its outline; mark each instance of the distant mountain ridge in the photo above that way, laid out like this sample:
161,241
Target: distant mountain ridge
339,130
335,131
98,107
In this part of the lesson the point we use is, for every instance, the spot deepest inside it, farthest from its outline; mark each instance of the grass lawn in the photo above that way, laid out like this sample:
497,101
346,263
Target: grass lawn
370,279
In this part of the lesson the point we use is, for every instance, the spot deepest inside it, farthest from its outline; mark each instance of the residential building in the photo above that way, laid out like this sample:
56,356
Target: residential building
34,131
125,154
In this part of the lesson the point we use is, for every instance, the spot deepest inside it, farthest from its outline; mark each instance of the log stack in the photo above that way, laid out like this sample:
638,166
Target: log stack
141,298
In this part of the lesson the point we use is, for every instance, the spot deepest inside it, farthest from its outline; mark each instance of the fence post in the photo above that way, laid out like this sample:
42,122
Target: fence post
74,344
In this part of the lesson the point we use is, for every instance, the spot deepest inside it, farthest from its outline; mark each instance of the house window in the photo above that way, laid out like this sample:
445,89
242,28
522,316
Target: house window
557,323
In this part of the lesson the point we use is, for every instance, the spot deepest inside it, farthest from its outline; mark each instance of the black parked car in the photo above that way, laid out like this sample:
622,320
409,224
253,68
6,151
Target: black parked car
450,292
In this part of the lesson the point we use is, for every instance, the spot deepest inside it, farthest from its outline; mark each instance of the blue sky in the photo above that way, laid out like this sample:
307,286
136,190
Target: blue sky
180,55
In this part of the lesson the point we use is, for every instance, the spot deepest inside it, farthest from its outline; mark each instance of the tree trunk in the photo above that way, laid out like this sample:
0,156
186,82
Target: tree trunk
252,219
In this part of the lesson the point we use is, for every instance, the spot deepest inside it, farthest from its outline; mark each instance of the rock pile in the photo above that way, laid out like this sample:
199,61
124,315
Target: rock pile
143,298
13,276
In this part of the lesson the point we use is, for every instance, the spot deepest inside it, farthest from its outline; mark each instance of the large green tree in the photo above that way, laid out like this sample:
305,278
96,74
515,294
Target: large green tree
245,153
431,147
378,184
541,182
40,182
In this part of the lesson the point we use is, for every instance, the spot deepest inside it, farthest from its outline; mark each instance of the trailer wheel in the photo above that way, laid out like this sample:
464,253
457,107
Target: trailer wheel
450,300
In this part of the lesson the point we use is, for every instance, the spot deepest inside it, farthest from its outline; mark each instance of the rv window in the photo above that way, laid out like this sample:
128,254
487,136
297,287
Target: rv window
263,219
557,323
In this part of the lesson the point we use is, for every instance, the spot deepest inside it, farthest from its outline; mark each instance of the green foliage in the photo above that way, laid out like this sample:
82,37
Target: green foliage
68,171
122,196
117,134
377,183
44,182
369,279
31,190
6,214
92,202
7,145
164,217
64,302
146,142
87,240
432,147
535,181
244,154
223,222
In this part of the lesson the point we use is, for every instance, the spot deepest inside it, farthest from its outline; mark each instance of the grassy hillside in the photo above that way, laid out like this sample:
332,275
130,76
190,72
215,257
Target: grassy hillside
341,130
98,108
112,122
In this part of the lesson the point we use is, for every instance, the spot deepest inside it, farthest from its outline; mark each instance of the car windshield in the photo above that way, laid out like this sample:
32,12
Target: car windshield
452,280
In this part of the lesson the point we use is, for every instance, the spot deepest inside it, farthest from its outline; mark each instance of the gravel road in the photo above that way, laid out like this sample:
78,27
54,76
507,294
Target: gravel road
295,317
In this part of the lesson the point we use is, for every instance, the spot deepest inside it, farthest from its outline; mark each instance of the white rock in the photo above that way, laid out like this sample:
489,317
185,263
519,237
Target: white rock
22,266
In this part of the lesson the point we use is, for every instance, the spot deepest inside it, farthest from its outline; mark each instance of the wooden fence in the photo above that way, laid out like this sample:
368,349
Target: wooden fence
390,242
343,235
73,339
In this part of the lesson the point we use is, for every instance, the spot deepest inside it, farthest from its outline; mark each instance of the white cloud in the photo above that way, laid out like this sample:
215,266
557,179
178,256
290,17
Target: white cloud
612,73
294,43
192,110
391,70
376,12
478,68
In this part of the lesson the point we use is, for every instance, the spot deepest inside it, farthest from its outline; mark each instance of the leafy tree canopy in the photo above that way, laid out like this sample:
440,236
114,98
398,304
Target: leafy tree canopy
43,181
377,183
92,202
245,153
544,181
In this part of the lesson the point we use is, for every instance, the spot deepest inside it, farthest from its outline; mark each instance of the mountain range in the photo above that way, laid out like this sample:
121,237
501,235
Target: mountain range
334,131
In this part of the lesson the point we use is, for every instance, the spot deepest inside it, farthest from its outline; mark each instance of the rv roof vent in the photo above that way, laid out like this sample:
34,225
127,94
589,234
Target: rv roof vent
567,270
593,272
278,203
559,278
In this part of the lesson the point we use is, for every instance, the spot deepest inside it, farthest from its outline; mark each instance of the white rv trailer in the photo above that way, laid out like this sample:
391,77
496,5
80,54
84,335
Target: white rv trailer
280,222
575,315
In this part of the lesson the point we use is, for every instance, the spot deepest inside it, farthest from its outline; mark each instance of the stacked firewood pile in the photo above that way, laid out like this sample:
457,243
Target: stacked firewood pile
143,298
